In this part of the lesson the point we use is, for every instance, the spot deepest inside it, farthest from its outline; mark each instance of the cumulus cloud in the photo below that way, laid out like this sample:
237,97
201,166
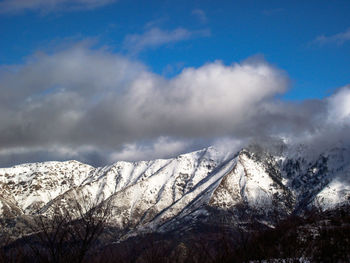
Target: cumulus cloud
155,37
16,6
339,106
99,107
338,39
80,96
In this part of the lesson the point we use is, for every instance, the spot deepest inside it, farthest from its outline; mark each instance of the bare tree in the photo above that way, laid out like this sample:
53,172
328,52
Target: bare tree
69,232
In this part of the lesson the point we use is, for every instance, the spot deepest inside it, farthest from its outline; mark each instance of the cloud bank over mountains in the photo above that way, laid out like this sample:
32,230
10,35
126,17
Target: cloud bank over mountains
98,107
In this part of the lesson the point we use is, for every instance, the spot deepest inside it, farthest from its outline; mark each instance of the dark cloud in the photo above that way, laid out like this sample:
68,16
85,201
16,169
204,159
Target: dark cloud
99,107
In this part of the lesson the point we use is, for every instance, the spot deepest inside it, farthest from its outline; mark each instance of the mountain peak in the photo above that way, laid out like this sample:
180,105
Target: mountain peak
156,195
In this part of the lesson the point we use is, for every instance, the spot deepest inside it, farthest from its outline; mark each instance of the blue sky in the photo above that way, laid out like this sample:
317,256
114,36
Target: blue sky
284,32
107,80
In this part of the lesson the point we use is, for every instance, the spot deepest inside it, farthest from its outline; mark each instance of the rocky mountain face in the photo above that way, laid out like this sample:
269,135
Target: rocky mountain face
203,187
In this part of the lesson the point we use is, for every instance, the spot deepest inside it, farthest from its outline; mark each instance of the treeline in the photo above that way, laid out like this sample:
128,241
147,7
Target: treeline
68,233
316,237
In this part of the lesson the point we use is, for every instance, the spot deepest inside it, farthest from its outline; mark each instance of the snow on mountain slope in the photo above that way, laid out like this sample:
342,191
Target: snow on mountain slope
162,194
255,183
147,194
30,186
322,180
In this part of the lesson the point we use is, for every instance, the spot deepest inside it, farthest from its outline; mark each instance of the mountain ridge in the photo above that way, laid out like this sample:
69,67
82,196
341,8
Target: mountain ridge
167,194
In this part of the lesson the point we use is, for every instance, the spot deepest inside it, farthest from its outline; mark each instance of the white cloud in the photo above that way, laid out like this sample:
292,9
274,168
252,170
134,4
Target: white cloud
162,147
156,37
198,99
339,106
200,14
16,6
86,97
97,107
338,39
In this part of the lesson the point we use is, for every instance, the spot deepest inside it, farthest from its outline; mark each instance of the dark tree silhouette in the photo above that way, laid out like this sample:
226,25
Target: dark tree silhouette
69,232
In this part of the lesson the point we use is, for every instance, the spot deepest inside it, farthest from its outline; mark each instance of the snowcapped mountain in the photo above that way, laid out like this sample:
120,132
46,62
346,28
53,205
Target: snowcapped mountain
202,186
